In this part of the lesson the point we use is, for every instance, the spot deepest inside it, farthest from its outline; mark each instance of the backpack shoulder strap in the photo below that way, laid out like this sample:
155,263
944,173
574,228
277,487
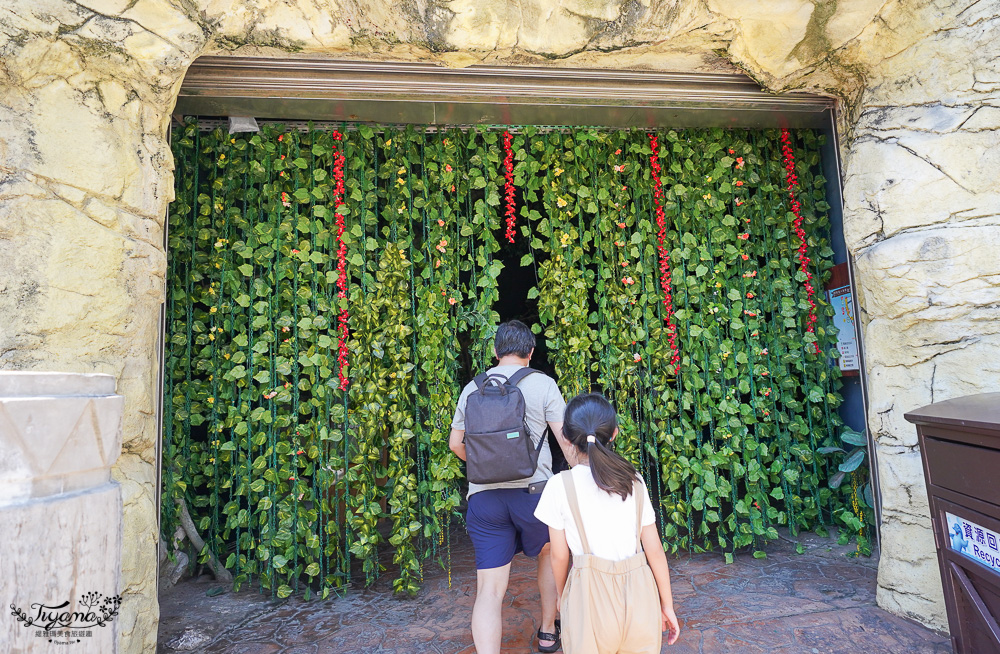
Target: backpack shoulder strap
516,378
574,507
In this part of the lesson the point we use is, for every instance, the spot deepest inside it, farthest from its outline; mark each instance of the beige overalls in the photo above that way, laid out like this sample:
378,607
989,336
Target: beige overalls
610,607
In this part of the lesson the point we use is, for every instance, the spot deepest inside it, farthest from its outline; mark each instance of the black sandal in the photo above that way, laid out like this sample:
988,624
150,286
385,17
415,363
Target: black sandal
555,646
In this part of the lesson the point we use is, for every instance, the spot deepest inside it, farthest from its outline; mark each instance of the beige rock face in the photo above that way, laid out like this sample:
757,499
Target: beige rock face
85,180
85,177
922,207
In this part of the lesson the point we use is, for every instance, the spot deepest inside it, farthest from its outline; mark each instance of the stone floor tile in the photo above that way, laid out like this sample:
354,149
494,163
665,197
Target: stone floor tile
819,601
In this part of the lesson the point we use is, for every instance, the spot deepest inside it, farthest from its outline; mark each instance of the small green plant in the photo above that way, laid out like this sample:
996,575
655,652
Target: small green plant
859,516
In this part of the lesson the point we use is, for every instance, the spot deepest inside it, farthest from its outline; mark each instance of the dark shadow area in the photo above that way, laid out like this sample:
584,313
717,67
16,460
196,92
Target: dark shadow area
513,284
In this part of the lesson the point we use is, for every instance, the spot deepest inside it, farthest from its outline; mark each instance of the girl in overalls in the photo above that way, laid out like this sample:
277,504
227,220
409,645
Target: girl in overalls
616,599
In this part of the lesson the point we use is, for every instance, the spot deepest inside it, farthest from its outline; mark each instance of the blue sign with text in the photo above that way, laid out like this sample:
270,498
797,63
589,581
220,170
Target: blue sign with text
974,541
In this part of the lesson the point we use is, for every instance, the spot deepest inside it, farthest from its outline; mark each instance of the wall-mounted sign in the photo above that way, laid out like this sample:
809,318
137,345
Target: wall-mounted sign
842,300
975,542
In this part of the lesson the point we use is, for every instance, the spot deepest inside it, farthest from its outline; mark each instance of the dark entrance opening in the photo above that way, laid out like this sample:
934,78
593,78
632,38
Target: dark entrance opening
514,283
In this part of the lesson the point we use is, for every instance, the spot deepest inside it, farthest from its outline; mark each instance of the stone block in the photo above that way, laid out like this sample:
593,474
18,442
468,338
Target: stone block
903,181
52,444
54,550
768,31
60,556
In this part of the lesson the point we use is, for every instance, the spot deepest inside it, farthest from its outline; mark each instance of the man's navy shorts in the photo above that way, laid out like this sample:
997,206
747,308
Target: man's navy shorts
501,523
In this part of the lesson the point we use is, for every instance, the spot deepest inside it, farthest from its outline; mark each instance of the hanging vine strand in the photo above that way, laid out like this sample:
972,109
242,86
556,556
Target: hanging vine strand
661,224
338,203
792,181
508,173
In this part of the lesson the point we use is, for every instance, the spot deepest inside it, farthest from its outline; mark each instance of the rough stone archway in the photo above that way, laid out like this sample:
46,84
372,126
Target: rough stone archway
86,89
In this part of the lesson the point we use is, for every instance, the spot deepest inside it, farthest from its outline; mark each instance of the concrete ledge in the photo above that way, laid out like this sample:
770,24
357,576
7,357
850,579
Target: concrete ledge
54,384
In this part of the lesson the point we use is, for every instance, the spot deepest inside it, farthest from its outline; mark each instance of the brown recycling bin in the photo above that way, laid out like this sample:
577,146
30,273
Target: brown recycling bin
960,448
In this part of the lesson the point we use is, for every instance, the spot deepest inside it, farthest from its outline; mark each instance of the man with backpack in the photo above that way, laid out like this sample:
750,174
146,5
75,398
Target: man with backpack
499,429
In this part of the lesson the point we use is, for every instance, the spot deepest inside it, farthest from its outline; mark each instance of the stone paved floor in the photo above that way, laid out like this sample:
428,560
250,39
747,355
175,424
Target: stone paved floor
819,601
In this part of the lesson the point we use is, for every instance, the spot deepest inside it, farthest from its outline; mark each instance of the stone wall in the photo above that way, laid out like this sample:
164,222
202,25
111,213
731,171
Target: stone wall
923,209
84,182
86,88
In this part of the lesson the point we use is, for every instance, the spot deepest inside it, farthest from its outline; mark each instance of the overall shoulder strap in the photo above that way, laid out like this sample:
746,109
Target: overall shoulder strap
516,378
574,507
637,488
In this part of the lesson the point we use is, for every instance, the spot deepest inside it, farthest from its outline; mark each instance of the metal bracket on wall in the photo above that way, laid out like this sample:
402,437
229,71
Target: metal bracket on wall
425,94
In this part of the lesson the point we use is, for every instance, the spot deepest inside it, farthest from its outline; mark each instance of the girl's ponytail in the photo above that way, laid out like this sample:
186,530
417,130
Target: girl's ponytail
590,424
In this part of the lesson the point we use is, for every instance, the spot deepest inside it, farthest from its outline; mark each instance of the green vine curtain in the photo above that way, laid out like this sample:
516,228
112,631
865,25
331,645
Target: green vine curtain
298,484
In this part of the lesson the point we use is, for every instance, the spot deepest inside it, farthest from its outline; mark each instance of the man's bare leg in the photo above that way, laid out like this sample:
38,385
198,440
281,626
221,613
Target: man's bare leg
547,590
487,623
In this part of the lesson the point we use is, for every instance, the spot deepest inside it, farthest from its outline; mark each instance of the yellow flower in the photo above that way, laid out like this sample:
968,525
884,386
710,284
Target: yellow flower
213,309
561,202
388,143
233,141
707,196
559,171
221,157
227,355
211,400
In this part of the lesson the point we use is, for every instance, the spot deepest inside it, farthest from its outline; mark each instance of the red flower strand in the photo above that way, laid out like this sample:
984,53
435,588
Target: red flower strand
508,173
661,224
338,201
792,181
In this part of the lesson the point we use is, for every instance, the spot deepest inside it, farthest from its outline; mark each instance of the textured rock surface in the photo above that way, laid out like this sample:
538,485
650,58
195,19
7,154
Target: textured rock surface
85,179
85,176
922,208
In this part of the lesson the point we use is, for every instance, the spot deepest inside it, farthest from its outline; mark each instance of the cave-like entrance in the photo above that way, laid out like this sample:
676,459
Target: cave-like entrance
294,477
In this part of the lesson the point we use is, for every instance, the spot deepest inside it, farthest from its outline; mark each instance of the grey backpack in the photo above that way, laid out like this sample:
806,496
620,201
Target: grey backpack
498,446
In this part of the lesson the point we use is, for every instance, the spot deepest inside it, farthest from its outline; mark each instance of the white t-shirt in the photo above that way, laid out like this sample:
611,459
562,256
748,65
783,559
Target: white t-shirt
608,520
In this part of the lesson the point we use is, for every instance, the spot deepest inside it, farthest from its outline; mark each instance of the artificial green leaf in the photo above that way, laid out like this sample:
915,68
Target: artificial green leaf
852,462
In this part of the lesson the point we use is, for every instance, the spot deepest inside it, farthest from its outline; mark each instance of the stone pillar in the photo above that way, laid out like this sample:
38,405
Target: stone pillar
922,218
60,511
